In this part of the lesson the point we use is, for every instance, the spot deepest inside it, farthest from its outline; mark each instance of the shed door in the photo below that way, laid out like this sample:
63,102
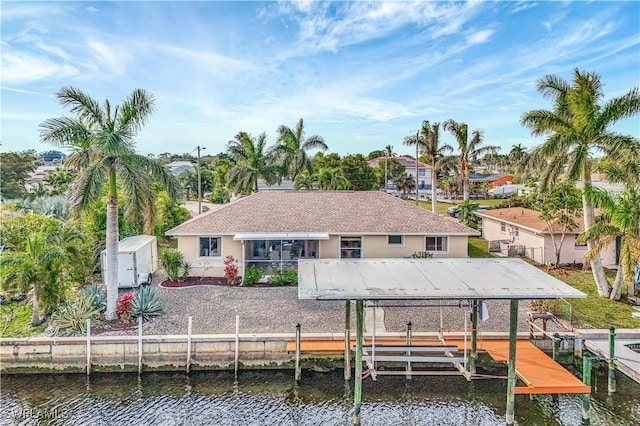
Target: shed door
126,273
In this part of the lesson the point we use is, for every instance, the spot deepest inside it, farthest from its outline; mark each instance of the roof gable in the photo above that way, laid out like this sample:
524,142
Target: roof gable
337,212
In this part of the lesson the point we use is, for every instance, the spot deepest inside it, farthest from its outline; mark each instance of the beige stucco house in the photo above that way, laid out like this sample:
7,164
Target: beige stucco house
520,231
273,229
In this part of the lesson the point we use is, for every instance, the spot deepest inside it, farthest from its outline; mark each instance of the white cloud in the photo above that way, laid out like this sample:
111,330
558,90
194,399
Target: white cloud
112,60
547,25
91,9
20,68
479,36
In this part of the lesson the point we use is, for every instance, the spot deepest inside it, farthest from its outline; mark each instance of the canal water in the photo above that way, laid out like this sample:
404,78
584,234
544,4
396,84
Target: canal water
271,398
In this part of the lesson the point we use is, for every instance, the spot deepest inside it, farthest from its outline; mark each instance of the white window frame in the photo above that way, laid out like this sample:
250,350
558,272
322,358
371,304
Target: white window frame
400,244
443,237
218,237
503,227
352,238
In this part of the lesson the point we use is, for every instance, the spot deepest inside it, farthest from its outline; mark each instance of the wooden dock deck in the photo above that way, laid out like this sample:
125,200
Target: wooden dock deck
540,373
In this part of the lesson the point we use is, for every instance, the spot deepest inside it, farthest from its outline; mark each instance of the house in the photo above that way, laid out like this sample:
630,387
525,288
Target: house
518,231
424,171
273,229
177,167
493,179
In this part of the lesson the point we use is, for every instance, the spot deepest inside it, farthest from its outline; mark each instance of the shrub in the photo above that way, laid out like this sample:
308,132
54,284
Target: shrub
284,278
124,307
231,270
421,255
72,316
145,303
174,265
252,275
97,295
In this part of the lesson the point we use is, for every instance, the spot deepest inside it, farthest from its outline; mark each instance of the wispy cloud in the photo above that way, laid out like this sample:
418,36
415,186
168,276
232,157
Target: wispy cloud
479,36
21,68
114,61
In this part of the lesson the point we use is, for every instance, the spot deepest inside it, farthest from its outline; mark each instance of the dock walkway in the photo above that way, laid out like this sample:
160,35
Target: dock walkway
540,373
627,360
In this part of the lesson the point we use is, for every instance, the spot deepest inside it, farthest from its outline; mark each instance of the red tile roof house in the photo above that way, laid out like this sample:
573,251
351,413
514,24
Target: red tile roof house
273,229
518,231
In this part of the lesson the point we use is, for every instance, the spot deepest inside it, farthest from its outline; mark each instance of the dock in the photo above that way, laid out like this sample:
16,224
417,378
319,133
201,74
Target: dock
539,372
626,348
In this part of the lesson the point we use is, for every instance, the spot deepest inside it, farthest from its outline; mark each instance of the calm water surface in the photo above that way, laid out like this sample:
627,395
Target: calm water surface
270,398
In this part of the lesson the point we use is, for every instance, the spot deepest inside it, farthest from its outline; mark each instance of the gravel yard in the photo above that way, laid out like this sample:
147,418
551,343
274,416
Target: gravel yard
278,310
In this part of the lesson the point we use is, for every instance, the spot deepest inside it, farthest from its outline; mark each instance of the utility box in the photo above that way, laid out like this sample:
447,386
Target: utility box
137,260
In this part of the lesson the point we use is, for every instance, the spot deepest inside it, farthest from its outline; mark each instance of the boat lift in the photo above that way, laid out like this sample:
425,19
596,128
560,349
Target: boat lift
436,279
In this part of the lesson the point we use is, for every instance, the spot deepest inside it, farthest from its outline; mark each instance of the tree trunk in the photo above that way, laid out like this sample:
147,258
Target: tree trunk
596,264
112,249
35,303
434,191
465,188
616,291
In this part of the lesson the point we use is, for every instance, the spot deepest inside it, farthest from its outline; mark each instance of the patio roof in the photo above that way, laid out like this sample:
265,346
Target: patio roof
427,279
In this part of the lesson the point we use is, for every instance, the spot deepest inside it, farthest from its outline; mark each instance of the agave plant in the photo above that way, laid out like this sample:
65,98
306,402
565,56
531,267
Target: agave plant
73,315
146,303
98,296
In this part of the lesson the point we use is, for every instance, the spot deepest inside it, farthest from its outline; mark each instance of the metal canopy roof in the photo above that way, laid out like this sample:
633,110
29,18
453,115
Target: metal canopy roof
435,279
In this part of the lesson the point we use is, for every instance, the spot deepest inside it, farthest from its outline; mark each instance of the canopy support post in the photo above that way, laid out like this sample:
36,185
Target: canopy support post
357,388
347,340
474,337
511,374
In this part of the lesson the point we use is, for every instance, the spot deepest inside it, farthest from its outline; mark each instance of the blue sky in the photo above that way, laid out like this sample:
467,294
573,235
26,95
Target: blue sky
362,75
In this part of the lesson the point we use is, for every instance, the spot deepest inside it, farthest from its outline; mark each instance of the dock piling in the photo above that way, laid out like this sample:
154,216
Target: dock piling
237,347
409,325
88,346
511,373
611,361
139,345
298,372
189,328
473,356
586,379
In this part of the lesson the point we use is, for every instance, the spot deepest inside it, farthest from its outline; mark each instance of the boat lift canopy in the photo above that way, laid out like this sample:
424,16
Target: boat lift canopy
428,279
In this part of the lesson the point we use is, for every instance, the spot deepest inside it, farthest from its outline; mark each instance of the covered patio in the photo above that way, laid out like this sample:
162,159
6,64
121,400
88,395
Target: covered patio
470,280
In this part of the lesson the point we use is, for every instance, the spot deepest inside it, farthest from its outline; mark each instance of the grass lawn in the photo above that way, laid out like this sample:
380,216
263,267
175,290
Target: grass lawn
15,320
595,311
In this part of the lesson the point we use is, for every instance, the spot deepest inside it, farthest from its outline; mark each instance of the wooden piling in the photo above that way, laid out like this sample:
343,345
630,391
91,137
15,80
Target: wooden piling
473,356
139,345
88,350
347,340
409,327
189,329
611,361
586,398
298,371
511,374
357,388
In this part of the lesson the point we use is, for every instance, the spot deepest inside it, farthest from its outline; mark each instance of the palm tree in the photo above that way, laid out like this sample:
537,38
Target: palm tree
621,220
388,152
405,184
577,129
470,150
292,146
420,143
434,154
306,181
518,158
34,267
466,213
252,163
332,180
104,153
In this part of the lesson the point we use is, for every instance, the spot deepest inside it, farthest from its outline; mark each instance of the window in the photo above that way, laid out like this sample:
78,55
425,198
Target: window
503,227
209,247
350,247
579,245
394,240
517,232
436,244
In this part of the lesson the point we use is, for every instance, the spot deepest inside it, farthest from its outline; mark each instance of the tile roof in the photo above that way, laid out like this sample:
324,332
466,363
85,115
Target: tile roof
337,212
526,218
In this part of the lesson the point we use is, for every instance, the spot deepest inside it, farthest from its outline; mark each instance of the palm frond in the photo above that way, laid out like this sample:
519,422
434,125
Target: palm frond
84,106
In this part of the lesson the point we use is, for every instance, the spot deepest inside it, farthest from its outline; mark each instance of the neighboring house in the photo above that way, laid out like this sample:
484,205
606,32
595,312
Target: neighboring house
285,185
493,179
177,167
424,171
520,232
273,229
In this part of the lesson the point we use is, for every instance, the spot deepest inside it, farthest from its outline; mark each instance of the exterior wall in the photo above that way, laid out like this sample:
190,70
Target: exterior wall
373,246
539,247
209,266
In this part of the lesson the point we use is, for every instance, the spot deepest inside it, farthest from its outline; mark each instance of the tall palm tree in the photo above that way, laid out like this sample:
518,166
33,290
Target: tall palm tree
470,150
620,220
292,146
102,138
420,143
518,158
252,163
405,184
576,130
434,154
388,152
